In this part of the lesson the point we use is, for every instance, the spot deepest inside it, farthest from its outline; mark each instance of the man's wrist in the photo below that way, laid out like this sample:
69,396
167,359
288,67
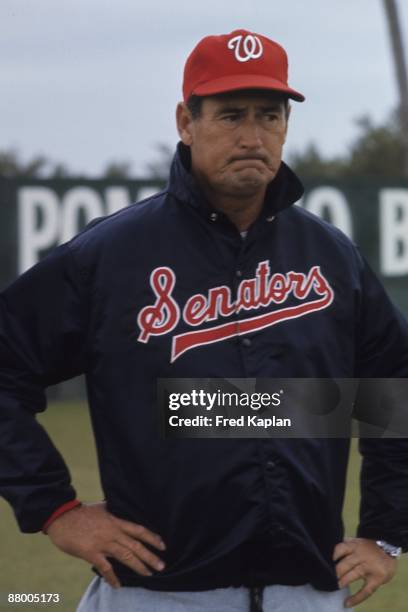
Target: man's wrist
390,549
74,503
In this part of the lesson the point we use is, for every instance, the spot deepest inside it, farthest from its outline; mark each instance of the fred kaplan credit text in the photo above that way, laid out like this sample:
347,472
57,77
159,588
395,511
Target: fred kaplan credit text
220,421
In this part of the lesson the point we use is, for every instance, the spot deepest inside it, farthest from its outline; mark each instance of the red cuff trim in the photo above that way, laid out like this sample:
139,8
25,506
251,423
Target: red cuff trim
61,510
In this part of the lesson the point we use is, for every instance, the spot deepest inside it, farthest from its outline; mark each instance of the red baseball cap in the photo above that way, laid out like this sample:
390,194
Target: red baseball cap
239,60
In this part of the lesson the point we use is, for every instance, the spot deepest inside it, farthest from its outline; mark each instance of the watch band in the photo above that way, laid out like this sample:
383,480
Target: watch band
390,549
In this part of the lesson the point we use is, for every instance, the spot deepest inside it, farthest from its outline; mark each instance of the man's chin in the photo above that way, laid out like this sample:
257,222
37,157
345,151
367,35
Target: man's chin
249,184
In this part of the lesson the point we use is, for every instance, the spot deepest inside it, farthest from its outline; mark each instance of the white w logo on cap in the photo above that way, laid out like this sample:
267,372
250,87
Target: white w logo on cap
252,47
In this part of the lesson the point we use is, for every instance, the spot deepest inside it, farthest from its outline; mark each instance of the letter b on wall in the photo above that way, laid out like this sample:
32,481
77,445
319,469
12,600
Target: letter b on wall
394,231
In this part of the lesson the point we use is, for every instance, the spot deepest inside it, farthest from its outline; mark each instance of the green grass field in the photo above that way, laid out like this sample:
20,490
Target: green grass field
31,564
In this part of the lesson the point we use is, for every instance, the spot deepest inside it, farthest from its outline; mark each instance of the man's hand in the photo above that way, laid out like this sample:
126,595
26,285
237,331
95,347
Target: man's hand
91,533
362,559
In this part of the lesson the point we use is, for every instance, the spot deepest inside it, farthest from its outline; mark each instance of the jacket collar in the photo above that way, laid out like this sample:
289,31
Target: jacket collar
282,192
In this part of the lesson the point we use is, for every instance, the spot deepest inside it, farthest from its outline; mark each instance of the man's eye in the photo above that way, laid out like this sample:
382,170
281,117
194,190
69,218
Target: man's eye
230,118
271,116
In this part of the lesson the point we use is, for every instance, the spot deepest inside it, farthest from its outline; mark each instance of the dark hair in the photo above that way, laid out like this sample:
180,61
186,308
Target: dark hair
194,104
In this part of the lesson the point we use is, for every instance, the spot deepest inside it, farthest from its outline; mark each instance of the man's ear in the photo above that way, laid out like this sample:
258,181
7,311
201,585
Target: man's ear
184,121
287,115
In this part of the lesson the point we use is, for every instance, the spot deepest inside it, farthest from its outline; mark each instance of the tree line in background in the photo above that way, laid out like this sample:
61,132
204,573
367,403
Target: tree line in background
376,151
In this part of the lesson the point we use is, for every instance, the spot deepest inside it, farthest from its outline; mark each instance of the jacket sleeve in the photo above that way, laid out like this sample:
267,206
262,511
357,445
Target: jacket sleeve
382,353
43,341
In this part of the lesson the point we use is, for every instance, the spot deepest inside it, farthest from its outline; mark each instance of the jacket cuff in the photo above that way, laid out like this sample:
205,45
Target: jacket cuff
61,510
394,538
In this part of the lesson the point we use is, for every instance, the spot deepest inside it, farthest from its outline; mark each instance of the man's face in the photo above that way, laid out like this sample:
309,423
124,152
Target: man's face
236,142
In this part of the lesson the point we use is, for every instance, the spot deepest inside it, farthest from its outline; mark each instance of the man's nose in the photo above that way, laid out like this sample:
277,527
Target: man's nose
250,133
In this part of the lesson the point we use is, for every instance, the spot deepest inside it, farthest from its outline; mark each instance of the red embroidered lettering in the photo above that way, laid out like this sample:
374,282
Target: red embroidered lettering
164,315
278,289
219,303
262,273
253,293
247,295
195,310
184,342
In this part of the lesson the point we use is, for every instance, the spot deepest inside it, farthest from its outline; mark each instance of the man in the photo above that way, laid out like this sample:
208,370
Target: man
165,289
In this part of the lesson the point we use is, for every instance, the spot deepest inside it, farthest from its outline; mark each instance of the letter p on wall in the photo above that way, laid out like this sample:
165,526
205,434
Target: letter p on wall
45,219
38,223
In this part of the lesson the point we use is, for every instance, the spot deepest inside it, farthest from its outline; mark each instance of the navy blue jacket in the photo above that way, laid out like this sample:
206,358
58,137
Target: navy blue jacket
120,303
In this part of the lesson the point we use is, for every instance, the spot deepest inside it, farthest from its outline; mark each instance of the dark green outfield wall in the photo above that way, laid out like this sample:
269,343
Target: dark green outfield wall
36,215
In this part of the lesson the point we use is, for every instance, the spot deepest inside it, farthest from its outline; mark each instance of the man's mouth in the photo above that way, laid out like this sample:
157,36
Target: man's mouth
249,158
248,163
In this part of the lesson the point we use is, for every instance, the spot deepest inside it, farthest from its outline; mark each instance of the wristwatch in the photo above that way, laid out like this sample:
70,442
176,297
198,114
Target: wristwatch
390,549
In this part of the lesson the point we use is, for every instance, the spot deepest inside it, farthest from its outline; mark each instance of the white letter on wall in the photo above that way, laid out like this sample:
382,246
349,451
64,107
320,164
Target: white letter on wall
34,203
75,200
394,231
116,198
334,202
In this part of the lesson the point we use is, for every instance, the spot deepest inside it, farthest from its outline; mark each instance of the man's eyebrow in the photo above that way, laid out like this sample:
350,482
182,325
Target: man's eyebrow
229,108
265,108
271,106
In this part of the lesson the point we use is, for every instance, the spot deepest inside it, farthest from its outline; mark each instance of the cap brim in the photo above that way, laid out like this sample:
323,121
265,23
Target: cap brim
247,81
